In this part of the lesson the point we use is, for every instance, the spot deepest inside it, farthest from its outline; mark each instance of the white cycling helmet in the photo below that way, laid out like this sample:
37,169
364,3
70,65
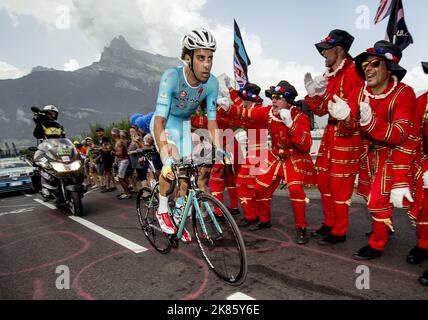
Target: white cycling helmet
50,107
199,39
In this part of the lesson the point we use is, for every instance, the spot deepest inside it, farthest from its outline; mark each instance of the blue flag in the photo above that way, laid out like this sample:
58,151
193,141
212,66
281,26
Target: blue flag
241,61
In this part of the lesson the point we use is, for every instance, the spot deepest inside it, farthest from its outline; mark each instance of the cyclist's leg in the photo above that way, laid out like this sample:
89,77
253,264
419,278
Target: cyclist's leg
175,151
204,176
164,185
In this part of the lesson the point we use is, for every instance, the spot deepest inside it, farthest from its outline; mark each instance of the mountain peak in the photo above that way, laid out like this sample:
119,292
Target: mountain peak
119,43
121,59
119,48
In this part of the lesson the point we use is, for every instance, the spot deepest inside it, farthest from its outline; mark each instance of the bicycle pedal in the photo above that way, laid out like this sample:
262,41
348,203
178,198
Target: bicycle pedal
174,241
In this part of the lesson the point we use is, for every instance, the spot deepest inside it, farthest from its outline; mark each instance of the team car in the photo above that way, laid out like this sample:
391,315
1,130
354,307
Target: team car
17,174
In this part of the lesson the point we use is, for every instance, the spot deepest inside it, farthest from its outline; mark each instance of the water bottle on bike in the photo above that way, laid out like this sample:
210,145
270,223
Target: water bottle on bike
177,215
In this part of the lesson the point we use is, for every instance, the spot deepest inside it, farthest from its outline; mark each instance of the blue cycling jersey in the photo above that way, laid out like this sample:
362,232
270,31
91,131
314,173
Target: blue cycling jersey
177,98
177,101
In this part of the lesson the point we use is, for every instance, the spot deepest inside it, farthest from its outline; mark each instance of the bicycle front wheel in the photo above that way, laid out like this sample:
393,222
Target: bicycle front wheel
221,243
147,205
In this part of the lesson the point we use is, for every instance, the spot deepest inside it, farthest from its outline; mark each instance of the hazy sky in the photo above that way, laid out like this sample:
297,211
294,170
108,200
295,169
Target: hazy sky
279,34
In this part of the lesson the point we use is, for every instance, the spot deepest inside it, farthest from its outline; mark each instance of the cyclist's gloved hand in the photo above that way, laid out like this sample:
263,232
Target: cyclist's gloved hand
167,167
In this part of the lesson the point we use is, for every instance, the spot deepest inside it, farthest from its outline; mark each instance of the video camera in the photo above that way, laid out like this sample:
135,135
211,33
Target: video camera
38,115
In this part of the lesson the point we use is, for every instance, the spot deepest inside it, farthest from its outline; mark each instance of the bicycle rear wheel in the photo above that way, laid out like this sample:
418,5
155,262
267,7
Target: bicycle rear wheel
147,205
223,248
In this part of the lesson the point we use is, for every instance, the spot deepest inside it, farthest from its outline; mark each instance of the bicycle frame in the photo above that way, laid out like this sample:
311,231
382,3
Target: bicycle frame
192,201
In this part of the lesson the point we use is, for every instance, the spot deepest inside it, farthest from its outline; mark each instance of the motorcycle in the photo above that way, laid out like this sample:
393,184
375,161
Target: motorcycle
62,173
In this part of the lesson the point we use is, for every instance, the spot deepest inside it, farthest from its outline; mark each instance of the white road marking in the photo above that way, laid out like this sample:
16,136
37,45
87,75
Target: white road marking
110,235
46,204
17,205
239,296
27,195
23,210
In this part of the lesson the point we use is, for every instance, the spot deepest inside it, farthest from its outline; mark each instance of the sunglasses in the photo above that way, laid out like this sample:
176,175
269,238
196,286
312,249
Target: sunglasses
277,96
374,63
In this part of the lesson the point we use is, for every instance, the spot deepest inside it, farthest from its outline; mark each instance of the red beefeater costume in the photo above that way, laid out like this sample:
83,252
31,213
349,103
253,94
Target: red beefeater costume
388,148
256,145
222,176
419,209
288,159
387,154
337,160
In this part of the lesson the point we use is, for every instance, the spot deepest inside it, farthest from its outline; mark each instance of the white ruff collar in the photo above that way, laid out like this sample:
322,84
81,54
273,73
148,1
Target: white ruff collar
329,74
381,96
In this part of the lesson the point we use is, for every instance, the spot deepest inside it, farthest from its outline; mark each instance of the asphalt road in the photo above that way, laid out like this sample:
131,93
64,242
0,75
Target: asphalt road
39,245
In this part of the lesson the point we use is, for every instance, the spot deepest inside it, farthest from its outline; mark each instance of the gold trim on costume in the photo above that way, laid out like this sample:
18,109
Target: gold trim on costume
306,200
244,200
344,161
387,221
346,148
336,175
347,202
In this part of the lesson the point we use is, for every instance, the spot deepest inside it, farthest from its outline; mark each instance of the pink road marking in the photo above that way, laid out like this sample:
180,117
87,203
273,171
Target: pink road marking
59,222
38,290
337,256
367,263
196,294
192,296
76,282
255,235
84,248
124,216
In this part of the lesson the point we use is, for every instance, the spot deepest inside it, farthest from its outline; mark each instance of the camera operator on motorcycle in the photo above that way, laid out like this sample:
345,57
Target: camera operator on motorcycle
47,126
59,162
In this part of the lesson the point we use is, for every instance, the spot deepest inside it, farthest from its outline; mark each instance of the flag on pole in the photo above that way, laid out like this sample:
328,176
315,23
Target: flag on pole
396,31
383,11
241,61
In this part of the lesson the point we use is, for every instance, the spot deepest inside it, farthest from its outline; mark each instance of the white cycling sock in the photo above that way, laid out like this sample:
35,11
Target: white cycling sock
163,204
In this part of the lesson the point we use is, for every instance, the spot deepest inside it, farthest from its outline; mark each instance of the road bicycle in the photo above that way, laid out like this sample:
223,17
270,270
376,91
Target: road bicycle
214,229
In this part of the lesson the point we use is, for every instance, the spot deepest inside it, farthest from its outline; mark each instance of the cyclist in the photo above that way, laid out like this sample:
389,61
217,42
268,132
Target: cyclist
181,91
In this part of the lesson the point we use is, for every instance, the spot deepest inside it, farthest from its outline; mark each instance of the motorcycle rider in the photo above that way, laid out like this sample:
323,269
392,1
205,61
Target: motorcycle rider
47,126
